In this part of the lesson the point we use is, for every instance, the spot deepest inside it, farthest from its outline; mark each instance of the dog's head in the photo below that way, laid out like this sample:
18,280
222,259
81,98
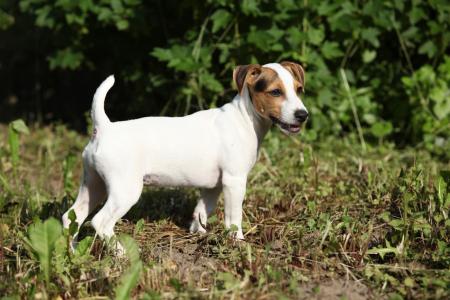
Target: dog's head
275,91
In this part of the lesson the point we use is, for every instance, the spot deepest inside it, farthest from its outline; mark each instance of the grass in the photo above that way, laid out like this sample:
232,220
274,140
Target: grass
322,220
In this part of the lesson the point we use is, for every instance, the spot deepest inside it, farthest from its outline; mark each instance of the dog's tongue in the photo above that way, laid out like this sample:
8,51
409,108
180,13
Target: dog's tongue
294,128
291,128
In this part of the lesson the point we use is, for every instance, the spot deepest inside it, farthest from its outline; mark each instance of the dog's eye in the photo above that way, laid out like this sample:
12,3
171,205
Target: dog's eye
275,92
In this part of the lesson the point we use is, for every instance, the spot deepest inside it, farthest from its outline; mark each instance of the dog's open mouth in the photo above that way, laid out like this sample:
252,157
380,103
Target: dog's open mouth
290,128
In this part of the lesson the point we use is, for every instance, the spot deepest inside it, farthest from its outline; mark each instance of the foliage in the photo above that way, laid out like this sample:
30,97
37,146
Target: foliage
15,128
322,219
42,237
344,204
429,93
130,278
177,57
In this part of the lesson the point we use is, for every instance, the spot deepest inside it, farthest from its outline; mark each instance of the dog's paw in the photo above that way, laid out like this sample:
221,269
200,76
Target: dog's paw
196,227
239,235
117,249
198,222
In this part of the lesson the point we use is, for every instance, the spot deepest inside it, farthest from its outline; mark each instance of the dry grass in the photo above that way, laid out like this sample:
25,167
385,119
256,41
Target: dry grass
322,221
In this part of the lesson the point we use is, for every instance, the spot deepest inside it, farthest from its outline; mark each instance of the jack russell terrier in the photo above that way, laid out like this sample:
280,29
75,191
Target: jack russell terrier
213,149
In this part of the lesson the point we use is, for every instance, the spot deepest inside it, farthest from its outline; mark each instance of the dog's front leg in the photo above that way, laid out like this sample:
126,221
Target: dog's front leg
234,193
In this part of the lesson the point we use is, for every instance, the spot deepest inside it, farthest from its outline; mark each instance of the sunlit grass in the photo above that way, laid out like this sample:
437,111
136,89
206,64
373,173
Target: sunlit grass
320,220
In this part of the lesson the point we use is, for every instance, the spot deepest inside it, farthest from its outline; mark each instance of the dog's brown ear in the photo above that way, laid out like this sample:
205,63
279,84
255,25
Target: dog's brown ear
245,74
296,71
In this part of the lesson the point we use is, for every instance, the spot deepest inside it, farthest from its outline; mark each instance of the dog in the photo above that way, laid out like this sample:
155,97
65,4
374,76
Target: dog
212,149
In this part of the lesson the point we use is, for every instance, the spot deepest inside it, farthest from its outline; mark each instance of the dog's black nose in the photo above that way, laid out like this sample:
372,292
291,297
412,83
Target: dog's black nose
301,115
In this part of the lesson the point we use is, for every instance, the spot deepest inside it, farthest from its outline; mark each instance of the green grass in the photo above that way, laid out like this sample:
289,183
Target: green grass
322,220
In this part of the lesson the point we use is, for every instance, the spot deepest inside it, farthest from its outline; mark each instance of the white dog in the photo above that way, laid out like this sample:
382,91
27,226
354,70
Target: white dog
213,149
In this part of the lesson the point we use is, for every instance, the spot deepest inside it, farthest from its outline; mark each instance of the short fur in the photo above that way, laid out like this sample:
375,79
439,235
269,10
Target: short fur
213,149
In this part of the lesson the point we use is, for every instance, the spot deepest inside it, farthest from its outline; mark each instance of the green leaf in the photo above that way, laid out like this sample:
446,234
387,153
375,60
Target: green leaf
227,280
83,246
117,6
139,227
234,228
104,14
416,14
326,8
162,54
122,24
68,166
369,56
72,215
294,37
212,219
131,277
260,38
128,281
6,20
176,284
331,50
382,251
371,35
13,141
211,83
43,17
446,177
15,128
178,57
67,58
131,248
73,227
429,48
397,224
316,36
325,97
42,238
409,282
250,7
20,127
381,129
220,19
276,33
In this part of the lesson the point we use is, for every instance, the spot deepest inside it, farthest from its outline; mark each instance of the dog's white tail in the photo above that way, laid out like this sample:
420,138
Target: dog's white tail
98,114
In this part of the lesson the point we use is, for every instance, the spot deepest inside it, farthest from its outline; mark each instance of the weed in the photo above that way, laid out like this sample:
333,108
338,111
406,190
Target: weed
322,220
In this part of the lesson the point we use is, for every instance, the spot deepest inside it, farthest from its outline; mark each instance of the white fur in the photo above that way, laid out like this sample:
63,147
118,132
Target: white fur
293,101
213,149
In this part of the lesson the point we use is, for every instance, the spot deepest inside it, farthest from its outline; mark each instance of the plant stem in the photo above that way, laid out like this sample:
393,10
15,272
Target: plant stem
355,112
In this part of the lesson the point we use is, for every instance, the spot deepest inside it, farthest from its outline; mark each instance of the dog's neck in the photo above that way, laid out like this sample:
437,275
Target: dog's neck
257,123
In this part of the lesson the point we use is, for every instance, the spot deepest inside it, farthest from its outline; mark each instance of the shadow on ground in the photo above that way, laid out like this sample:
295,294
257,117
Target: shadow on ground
155,204
158,204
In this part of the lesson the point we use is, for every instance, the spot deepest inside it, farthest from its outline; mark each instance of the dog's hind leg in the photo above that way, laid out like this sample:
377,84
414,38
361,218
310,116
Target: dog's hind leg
91,193
204,208
123,193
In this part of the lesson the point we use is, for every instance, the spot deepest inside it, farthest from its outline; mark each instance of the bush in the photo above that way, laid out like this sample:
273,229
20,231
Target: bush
177,57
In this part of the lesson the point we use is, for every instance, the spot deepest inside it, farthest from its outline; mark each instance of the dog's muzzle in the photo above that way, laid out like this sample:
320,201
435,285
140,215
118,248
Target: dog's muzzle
290,128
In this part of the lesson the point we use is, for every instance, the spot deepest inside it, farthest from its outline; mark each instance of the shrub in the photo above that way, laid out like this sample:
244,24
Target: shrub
177,57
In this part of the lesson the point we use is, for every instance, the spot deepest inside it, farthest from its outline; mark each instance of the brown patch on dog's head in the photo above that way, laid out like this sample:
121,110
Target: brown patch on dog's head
268,93
297,72
265,87
261,83
245,74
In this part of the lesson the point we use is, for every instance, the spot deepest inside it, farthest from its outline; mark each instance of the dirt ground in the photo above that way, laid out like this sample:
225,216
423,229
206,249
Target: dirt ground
173,248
